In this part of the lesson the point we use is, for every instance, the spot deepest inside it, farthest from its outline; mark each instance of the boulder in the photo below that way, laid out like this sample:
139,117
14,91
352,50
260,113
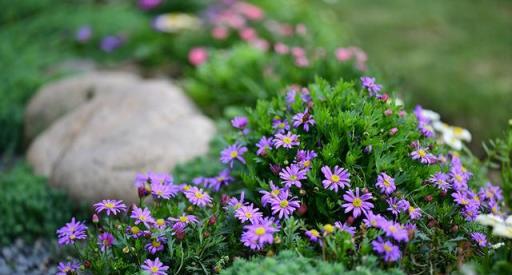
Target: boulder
95,150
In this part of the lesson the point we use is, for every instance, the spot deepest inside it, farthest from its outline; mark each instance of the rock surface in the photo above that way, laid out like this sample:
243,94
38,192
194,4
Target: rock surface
95,150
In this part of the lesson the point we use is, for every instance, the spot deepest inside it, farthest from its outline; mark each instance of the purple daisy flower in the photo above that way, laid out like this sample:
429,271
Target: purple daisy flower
222,179
248,213
283,206
389,251
264,145
369,84
183,220
280,125
403,205
340,178
232,153
393,206
491,193
394,230
110,206
386,183
304,158
160,224
470,212
141,180
292,175
142,216
154,267
373,220
236,203
111,42
305,119
461,198
313,235
239,122
440,180
156,245
105,241
345,228
164,191
423,156
286,141
414,212
356,203
71,232
479,238
65,268
268,196
256,235
134,232
197,196
83,34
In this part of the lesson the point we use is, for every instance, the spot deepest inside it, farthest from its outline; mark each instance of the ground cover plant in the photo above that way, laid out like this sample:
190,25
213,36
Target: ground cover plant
338,173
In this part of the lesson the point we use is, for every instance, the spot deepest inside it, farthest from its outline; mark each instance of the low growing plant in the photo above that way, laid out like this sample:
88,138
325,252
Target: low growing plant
340,173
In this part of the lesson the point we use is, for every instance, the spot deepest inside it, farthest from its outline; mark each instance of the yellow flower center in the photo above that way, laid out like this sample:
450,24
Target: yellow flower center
392,228
248,215
186,187
386,183
135,230
142,217
259,231
281,125
411,209
293,177
458,178
183,219
328,228
335,178
155,244
109,205
458,130
464,201
159,192
306,163
387,247
233,154
154,269
238,205
422,153
357,202
72,236
160,222
287,140
67,269
283,203
275,192
314,232
198,195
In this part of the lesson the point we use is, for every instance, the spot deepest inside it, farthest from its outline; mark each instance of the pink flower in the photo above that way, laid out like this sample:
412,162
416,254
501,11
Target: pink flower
250,11
219,33
298,52
248,34
197,56
343,54
281,48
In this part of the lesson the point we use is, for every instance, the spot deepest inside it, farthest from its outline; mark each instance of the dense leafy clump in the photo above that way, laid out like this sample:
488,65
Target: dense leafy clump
30,209
339,173
288,262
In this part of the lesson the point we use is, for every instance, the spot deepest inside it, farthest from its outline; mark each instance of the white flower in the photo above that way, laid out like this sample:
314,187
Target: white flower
452,141
431,115
174,22
489,219
498,245
461,133
399,102
502,230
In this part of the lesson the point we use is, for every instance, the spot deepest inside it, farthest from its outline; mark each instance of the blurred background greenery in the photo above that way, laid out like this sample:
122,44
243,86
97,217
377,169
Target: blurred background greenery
454,57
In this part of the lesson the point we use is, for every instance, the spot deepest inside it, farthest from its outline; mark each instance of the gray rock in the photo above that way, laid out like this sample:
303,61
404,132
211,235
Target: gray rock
95,150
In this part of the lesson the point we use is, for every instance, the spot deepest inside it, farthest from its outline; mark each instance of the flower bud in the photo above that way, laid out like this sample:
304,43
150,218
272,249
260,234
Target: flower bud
302,209
388,112
393,131
428,198
212,220
454,228
87,264
95,218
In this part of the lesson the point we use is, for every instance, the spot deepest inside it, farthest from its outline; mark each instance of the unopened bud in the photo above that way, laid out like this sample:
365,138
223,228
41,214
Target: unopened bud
95,218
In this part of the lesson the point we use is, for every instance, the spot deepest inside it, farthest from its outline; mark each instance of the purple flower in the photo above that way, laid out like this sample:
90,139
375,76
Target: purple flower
394,230
345,228
491,193
134,232
389,251
373,220
236,203
157,244
304,158
232,153
223,178
258,234
110,206
268,196
239,122
305,119
71,232
461,198
440,180
183,220
110,43
386,183
393,206
403,205
292,175
423,156
165,191
280,125
83,34
339,179
470,212
369,84
141,180
414,212
479,238
283,206
142,216
198,197
155,267
264,145
313,235
105,241
65,268
356,203
286,141
248,213
149,4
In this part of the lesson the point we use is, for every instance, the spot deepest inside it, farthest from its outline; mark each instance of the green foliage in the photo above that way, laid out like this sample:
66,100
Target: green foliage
30,208
289,262
499,157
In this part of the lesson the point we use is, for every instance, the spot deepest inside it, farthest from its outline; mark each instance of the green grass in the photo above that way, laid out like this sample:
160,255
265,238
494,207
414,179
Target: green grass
451,56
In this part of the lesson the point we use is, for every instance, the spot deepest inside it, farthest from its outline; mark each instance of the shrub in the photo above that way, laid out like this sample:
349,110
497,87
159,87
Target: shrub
30,208
383,200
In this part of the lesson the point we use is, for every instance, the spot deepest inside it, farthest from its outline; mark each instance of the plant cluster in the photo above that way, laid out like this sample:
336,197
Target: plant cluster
338,172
